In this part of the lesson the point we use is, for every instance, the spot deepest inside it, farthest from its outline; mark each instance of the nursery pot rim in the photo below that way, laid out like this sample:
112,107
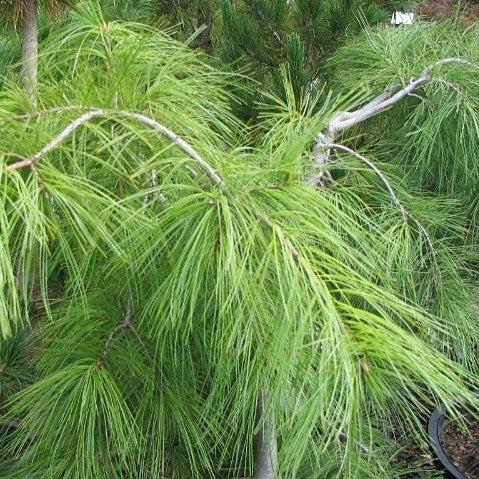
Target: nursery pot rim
434,428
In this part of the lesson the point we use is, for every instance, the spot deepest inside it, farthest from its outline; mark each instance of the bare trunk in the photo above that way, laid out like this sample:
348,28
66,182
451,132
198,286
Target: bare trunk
266,447
30,49
205,19
321,159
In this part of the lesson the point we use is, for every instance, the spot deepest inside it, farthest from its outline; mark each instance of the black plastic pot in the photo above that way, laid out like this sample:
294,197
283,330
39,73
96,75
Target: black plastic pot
434,429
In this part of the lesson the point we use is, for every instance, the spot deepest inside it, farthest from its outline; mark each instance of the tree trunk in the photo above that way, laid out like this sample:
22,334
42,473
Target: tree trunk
30,49
266,447
205,18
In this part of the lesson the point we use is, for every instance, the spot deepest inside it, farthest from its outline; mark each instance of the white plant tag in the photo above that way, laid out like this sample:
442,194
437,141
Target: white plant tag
402,18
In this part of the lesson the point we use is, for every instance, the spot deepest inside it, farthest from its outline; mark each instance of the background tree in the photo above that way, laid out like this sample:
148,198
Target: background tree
261,37
24,14
191,21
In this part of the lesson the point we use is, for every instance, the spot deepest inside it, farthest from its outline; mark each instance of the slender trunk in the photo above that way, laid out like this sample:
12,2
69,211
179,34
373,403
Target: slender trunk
30,49
29,289
266,447
205,18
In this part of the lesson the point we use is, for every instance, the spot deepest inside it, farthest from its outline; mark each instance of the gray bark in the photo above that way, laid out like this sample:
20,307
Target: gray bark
30,49
266,447
348,119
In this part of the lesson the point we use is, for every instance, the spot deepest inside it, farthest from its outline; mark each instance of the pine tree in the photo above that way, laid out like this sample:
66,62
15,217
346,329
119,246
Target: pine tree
198,293
190,21
263,37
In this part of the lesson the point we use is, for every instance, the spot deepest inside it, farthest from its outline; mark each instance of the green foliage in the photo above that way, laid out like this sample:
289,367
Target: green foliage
439,153
8,52
259,38
425,142
170,302
13,11
263,36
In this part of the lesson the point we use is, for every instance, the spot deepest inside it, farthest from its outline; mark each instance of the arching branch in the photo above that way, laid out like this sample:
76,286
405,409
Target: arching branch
389,98
379,173
404,212
58,110
345,120
57,141
145,120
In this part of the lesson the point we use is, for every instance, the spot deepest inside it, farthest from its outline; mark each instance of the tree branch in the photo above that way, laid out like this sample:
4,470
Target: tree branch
150,122
325,140
60,109
14,155
446,61
387,99
123,325
189,150
379,173
404,212
379,104
169,134
58,140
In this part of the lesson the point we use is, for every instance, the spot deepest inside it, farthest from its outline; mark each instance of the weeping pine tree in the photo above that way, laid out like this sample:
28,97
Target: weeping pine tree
206,309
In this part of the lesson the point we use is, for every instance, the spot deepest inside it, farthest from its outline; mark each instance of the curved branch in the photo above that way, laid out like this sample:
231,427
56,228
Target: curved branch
404,212
446,61
169,134
150,122
389,98
14,155
325,140
58,140
379,173
188,149
376,106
